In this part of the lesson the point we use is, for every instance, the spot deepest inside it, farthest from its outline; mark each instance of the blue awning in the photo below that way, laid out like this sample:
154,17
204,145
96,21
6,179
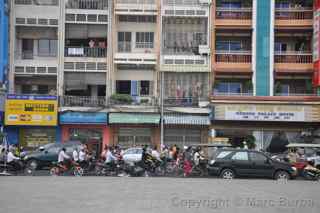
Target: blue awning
187,120
83,118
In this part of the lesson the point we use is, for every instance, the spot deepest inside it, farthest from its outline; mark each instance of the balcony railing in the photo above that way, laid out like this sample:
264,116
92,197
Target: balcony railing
185,102
234,13
233,56
293,57
38,2
294,13
180,3
30,55
295,94
136,1
146,45
94,52
216,93
124,47
82,101
137,101
87,4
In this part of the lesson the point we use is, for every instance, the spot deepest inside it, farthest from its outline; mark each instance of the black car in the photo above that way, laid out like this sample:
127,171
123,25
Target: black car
44,156
230,163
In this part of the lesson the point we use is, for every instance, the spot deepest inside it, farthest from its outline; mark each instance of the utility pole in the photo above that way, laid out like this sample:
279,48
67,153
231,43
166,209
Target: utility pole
161,115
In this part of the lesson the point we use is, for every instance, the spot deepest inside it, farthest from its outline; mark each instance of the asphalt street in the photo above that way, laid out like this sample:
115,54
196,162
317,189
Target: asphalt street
159,195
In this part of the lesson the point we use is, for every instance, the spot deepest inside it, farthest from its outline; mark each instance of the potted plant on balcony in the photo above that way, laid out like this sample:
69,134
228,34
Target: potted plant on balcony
121,99
277,87
248,87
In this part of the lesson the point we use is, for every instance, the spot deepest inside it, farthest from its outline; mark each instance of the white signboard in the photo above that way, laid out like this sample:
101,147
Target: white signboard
265,113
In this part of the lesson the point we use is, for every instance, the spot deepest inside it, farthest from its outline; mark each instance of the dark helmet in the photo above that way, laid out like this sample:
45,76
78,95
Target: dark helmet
64,149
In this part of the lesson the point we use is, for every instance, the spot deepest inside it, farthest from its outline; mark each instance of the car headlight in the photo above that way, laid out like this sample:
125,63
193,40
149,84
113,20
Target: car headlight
294,169
212,162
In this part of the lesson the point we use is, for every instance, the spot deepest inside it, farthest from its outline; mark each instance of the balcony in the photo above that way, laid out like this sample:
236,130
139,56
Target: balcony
136,7
294,18
82,101
183,102
293,62
233,17
231,94
142,53
233,61
87,52
185,8
33,12
87,4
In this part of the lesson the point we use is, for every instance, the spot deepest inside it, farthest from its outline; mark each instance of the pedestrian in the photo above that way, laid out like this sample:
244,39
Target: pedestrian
187,165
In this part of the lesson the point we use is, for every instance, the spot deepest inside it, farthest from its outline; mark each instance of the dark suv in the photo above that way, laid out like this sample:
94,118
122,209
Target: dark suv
230,163
47,154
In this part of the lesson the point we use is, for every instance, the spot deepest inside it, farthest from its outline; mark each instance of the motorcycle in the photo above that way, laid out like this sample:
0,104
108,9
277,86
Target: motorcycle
311,174
22,170
109,169
73,167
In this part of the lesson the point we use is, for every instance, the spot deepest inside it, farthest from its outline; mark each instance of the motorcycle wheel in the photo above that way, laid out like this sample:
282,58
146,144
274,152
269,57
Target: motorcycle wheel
78,171
54,171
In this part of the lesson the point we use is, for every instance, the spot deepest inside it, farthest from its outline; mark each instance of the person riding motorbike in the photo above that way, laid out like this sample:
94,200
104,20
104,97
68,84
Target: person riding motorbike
311,171
110,158
63,159
13,161
187,159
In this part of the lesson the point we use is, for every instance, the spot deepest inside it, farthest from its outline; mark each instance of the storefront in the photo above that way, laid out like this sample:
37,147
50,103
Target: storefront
185,130
31,121
271,125
87,127
135,129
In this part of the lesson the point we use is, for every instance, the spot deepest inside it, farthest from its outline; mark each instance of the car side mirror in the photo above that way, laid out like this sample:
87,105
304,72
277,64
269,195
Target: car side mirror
46,152
41,148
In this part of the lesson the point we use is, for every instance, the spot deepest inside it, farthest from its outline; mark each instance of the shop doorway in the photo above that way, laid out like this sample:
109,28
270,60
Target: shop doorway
134,137
182,137
92,137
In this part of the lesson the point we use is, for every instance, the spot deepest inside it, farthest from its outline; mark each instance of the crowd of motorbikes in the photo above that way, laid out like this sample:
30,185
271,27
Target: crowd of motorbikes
189,163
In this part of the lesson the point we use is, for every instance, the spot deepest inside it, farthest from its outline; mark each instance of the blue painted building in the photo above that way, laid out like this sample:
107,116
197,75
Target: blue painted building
4,13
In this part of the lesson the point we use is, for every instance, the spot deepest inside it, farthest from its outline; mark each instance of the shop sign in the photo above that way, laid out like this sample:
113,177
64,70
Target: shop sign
265,113
31,110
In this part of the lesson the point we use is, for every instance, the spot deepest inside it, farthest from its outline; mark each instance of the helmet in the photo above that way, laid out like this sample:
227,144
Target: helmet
64,149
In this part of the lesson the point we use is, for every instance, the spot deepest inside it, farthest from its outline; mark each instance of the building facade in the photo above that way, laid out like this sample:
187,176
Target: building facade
242,61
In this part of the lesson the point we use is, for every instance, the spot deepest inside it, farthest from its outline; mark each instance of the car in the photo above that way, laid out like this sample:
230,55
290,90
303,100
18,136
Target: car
45,155
231,163
132,155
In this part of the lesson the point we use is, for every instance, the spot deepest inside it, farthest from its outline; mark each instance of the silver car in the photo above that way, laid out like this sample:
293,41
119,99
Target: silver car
132,155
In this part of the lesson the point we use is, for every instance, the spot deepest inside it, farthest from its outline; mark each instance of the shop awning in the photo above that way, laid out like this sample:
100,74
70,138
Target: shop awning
187,120
133,118
83,118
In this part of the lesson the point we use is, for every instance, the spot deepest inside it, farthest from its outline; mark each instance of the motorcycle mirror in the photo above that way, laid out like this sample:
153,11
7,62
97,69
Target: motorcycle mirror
41,148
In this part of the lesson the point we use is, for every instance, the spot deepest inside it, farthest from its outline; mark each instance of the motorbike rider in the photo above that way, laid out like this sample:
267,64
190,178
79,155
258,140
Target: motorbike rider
82,157
310,168
110,158
198,156
187,159
147,159
75,155
13,160
63,158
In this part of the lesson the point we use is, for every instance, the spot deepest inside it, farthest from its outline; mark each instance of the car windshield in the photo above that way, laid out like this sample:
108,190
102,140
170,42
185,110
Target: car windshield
223,154
46,147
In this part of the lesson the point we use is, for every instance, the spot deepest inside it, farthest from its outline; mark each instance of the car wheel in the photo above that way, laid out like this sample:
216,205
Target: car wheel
227,174
282,175
54,171
32,164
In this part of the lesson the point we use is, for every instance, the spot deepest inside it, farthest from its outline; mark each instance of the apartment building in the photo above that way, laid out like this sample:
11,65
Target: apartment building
263,72
228,68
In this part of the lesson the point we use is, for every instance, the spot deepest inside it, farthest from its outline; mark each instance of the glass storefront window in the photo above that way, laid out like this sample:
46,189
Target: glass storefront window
31,138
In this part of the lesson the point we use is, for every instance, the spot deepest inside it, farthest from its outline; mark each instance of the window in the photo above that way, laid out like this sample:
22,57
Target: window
47,47
26,89
141,19
223,154
229,45
144,39
243,156
27,48
124,41
144,88
257,157
43,89
123,87
229,87
285,89
280,47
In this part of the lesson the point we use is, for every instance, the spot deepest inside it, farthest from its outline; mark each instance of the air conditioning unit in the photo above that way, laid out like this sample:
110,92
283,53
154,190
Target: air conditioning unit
204,50
205,2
